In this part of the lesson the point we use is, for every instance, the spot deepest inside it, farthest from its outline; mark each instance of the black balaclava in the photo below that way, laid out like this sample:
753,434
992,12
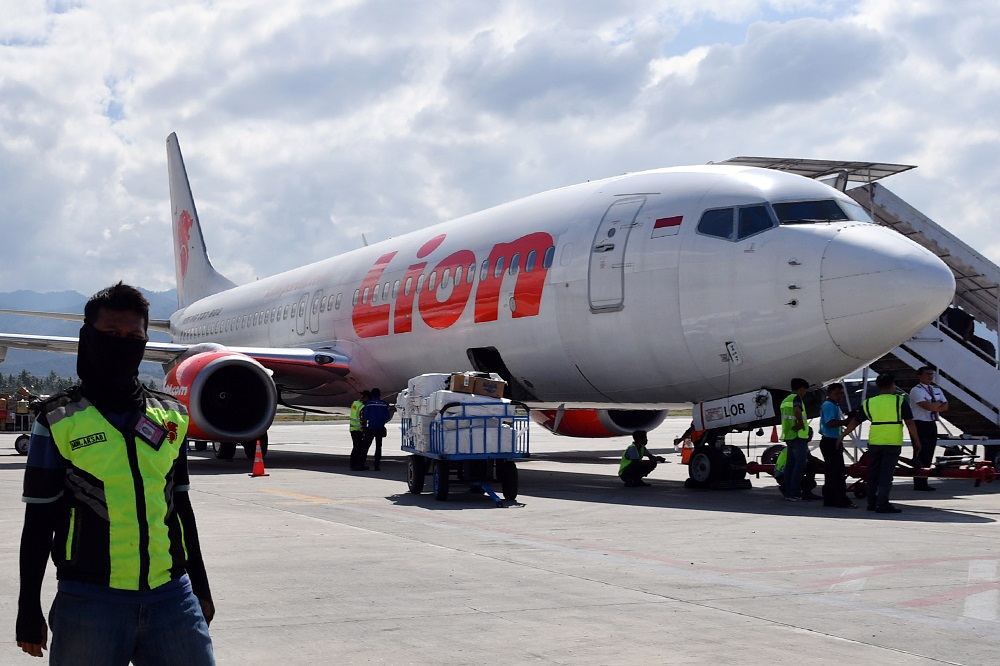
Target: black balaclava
108,366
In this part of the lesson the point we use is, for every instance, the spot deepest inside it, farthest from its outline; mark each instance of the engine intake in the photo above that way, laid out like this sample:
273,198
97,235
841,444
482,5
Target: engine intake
230,396
598,422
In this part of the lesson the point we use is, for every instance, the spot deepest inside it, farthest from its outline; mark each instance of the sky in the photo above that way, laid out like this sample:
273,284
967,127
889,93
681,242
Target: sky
307,123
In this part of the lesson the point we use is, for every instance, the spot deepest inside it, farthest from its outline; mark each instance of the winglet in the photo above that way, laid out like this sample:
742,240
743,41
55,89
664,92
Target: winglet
196,277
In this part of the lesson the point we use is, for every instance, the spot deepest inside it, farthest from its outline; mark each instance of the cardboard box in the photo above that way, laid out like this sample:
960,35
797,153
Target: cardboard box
462,383
493,388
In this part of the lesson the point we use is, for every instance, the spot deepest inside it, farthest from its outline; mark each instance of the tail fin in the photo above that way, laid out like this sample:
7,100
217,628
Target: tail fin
196,277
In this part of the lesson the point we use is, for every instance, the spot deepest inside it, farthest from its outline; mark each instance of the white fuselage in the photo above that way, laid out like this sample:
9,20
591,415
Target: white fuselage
627,302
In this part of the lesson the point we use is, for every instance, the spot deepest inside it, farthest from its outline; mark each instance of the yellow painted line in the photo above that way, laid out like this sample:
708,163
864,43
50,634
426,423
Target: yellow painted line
312,499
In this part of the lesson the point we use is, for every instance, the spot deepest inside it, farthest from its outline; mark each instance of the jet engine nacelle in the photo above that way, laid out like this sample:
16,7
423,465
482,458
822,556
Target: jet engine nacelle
230,396
598,422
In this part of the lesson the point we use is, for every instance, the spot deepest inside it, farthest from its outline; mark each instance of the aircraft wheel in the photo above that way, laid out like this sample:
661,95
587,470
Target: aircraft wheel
416,468
441,480
224,450
702,468
860,490
250,448
508,480
21,444
771,453
734,463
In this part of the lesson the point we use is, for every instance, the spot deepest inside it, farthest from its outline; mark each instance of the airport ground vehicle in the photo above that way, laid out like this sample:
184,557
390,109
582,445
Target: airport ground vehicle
475,443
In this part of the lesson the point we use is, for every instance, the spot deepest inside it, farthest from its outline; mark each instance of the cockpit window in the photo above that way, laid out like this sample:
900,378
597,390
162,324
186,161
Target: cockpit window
855,211
749,220
718,223
810,212
753,220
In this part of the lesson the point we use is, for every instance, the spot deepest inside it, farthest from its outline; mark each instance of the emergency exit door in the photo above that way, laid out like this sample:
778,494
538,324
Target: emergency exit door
606,277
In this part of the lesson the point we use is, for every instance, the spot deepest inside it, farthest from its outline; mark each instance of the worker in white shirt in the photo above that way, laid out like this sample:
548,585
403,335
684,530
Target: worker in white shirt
927,401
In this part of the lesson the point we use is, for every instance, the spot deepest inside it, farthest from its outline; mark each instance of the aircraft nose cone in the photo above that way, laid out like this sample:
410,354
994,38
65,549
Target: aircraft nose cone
879,288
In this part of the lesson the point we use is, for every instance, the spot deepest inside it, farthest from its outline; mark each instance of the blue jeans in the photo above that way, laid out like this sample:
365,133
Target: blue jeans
170,632
795,466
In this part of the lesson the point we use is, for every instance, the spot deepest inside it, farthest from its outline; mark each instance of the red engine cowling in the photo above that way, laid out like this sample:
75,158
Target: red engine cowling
230,396
598,422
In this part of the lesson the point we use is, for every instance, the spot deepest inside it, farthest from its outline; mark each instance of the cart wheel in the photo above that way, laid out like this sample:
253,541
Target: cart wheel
200,445
508,480
441,480
224,450
21,444
860,491
416,467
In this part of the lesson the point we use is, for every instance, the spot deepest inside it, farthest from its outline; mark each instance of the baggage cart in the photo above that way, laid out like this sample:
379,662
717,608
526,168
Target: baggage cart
472,443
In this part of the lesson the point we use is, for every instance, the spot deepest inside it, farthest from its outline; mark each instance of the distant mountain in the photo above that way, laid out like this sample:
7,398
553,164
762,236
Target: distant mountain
161,306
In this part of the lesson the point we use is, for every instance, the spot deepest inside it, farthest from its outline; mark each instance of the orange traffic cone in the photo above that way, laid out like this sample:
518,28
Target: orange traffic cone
774,434
258,463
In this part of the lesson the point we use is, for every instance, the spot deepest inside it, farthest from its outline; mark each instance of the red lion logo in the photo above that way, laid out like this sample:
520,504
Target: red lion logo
184,224
171,431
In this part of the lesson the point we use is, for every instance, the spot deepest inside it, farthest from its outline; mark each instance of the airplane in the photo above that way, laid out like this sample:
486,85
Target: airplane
600,304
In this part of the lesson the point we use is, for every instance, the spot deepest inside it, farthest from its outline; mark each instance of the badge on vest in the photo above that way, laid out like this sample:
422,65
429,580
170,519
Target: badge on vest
150,432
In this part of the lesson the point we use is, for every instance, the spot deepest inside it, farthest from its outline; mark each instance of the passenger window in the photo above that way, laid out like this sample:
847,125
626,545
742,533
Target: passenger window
408,286
471,276
364,296
718,223
375,295
432,281
445,278
420,282
514,263
354,301
549,255
337,304
395,289
529,261
295,309
385,291
315,305
498,269
753,220
458,274
484,270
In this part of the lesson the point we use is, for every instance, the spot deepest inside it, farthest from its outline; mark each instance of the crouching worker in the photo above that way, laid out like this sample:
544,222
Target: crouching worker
633,468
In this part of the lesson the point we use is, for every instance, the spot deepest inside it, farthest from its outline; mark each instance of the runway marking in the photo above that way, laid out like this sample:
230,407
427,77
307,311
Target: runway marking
982,593
852,580
313,499
983,605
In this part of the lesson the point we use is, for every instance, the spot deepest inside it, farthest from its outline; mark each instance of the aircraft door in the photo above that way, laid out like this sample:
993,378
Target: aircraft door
606,274
300,320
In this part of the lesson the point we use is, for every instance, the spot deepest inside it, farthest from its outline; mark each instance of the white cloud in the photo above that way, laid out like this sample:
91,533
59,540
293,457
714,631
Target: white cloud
307,122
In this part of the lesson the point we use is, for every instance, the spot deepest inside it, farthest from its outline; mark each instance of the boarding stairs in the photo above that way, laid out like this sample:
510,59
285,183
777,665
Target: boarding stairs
966,365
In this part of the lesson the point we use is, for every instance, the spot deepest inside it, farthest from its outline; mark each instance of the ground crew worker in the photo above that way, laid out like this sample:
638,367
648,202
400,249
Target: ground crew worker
928,402
633,468
831,422
795,433
374,415
357,432
887,411
106,489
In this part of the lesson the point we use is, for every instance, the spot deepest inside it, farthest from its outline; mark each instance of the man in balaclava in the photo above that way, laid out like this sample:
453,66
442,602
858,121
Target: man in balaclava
106,492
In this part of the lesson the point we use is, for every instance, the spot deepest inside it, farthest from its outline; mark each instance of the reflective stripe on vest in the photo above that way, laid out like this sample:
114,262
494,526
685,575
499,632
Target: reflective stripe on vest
885,411
125,485
788,419
356,414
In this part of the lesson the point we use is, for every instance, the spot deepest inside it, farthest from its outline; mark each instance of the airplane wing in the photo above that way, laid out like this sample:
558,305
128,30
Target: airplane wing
294,369
162,325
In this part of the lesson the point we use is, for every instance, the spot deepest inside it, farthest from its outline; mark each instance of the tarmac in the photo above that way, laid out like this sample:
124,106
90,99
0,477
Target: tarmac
315,564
